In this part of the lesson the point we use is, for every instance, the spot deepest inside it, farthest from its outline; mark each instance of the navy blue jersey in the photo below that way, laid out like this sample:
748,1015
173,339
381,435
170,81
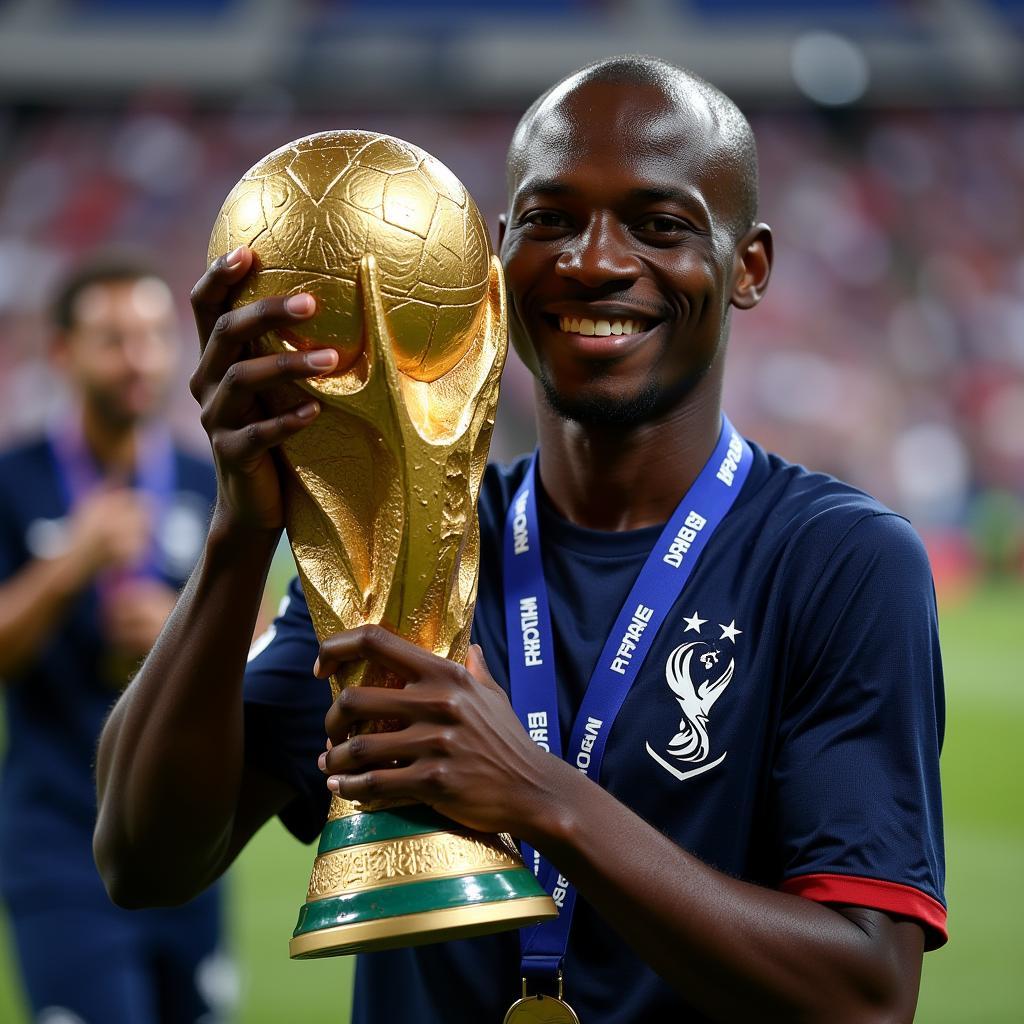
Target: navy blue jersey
56,706
815,771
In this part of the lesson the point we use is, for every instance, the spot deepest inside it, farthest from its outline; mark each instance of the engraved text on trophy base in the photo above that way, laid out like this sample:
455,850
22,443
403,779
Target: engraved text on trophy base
438,855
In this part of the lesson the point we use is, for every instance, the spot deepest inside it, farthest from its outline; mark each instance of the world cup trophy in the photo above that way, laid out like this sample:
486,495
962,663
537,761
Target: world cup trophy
381,489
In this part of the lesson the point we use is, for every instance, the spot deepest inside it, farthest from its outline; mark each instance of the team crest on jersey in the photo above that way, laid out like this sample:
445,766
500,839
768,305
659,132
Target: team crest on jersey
697,673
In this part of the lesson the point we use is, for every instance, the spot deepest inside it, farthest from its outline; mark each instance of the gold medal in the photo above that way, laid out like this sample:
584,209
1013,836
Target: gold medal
541,1009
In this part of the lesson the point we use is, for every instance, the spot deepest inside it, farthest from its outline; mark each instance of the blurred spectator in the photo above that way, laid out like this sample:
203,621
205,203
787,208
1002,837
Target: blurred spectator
101,520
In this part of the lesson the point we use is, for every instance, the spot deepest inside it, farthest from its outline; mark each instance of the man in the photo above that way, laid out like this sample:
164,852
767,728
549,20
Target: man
775,858
101,521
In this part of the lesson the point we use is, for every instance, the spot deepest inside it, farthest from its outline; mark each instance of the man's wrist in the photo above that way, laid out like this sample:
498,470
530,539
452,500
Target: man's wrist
231,535
551,817
72,570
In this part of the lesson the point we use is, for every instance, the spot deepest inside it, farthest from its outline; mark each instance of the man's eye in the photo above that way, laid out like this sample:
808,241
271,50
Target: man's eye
545,219
661,226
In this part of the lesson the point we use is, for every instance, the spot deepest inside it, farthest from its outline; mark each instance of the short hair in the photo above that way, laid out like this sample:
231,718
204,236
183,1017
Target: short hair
735,137
106,266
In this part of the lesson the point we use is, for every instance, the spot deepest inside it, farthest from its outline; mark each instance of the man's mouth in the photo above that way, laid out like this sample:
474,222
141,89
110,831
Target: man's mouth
600,328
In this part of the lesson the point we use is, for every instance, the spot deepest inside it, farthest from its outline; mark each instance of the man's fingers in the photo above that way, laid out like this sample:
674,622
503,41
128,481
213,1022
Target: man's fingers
232,404
264,372
234,329
362,704
253,440
476,665
380,647
211,291
386,749
355,704
423,783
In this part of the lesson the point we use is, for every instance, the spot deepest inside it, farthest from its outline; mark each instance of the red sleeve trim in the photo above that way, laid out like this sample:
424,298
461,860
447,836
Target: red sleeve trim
878,895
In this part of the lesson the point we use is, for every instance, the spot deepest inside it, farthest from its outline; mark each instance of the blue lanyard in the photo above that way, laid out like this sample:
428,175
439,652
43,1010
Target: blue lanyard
531,653
155,476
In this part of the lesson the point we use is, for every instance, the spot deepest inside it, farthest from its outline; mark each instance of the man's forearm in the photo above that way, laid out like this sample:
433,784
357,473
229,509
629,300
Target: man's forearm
170,758
738,951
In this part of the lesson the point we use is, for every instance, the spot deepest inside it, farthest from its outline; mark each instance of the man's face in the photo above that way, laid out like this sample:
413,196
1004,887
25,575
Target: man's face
618,250
121,349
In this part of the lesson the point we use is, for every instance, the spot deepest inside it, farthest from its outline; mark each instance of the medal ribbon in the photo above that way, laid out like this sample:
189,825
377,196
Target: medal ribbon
531,655
155,476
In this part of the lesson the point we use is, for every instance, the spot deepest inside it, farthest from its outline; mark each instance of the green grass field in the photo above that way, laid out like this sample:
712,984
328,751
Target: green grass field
977,977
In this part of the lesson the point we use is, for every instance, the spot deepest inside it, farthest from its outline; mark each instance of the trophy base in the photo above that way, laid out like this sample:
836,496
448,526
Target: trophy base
419,929
407,876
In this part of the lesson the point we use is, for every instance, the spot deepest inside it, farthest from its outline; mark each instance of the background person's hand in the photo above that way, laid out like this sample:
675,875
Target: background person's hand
134,612
109,529
227,384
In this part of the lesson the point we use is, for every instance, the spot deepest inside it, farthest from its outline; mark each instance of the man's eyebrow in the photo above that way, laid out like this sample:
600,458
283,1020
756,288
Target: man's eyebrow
547,186
666,193
554,186
656,192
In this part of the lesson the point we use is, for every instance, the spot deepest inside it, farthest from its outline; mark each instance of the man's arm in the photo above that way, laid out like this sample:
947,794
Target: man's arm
736,951
176,801
171,756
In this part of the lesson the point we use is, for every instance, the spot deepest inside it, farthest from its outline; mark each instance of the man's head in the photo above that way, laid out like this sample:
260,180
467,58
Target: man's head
116,337
632,208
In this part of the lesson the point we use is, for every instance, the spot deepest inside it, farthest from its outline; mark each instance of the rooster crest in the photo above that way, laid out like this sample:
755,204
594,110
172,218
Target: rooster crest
691,744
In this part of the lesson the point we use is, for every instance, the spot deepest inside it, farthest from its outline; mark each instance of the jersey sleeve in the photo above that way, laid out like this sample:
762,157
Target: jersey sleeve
285,706
857,803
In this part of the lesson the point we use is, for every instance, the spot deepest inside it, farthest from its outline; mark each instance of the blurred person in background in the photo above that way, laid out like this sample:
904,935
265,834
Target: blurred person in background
101,520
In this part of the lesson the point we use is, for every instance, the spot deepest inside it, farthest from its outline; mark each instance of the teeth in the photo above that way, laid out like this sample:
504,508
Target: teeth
599,328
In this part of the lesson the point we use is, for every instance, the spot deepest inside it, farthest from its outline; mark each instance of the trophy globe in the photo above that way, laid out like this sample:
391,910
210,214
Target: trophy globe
312,209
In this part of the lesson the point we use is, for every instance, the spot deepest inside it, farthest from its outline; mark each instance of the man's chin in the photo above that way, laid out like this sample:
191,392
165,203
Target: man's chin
597,409
127,415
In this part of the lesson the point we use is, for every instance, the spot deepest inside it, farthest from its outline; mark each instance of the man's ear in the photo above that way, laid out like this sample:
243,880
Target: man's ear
752,266
502,224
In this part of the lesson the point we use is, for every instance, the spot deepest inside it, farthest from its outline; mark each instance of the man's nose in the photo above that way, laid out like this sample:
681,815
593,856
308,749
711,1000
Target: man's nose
142,351
599,254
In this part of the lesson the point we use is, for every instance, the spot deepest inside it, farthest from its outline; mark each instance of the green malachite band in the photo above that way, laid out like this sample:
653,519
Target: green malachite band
357,829
417,897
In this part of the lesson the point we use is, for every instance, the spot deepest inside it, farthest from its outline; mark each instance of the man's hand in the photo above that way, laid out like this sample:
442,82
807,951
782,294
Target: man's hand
134,613
227,384
109,529
462,749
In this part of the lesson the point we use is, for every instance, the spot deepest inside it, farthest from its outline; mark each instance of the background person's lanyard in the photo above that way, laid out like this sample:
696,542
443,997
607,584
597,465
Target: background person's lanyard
155,476
531,653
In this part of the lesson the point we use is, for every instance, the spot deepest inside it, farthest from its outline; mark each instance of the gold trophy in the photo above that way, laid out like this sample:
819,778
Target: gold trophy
381,489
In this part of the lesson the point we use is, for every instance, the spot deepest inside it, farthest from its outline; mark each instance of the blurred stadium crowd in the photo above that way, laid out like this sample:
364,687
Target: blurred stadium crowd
890,349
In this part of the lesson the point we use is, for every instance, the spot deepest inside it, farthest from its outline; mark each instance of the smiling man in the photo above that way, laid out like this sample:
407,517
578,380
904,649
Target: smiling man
731,687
